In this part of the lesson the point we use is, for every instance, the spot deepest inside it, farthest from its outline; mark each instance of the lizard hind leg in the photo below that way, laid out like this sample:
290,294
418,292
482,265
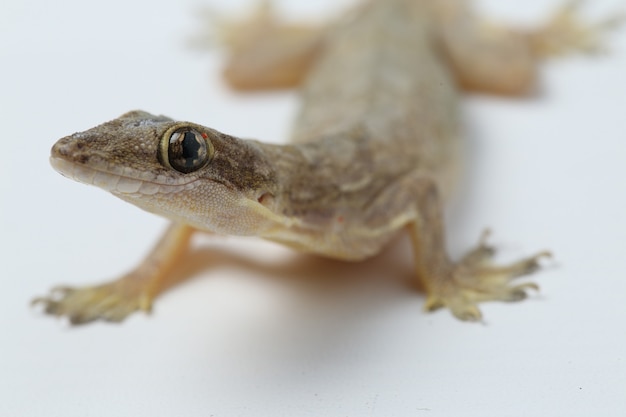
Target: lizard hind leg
567,32
501,59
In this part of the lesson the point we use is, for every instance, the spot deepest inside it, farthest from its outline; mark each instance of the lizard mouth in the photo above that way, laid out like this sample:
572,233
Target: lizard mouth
114,183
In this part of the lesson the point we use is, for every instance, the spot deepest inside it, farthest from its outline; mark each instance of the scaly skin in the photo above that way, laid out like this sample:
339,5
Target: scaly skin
374,151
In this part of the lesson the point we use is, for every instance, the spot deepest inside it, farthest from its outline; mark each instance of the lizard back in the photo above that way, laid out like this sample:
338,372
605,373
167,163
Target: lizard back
380,74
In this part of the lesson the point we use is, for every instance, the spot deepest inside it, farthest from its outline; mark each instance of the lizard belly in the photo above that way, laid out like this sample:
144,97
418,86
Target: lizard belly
346,244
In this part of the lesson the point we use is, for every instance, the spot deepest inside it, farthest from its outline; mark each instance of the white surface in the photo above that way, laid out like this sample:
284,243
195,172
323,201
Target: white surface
265,332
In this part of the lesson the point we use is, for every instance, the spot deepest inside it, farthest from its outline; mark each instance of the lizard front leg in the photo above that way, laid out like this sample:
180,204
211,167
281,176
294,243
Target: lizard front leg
461,285
114,301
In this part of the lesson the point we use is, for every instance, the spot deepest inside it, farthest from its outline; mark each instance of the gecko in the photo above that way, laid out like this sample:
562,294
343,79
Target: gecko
374,151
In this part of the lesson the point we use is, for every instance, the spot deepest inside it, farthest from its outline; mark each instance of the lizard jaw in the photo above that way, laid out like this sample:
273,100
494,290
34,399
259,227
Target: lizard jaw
114,183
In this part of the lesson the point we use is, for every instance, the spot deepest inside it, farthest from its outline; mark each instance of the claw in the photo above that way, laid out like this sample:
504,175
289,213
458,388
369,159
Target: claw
519,292
534,264
60,291
485,235
481,254
468,313
433,303
145,304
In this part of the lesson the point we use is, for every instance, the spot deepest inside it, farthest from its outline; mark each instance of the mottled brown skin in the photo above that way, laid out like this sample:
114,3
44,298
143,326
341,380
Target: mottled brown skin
374,151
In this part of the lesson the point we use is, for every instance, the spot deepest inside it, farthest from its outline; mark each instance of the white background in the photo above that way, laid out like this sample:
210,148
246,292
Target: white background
262,331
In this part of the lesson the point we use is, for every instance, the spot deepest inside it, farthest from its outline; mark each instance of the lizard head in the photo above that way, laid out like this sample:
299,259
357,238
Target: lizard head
182,171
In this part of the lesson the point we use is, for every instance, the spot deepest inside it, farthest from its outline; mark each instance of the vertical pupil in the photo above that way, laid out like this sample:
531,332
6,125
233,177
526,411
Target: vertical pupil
190,146
187,151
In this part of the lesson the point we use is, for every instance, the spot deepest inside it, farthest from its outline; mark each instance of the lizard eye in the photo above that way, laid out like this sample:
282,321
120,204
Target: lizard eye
187,150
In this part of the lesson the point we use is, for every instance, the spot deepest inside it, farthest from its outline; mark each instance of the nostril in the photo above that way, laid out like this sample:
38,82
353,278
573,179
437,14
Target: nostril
59,149
66,147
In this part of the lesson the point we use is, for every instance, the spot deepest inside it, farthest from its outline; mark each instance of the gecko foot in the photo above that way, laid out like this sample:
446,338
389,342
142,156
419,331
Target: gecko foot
475,279
111,302
566,32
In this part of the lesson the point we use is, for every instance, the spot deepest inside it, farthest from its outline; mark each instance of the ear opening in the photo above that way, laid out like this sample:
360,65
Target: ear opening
266,199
